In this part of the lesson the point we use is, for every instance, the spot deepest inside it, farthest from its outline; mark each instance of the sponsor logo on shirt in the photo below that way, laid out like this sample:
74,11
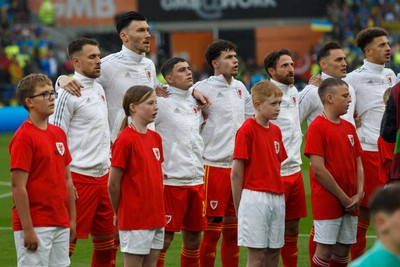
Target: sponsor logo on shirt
156,152
213,204
239,92
60,148
168,218
220,94
351,138
276,145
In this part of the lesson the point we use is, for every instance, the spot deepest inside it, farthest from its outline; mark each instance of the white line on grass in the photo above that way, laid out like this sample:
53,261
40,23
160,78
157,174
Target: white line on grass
5,183
5,195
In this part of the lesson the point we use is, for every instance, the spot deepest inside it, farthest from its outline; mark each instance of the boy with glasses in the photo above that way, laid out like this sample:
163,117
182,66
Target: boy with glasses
43,215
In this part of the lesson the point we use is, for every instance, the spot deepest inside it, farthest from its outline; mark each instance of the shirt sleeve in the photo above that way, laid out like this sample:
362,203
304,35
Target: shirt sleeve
21,154
249,109
63,112
242,148
121,153
308,102
314,142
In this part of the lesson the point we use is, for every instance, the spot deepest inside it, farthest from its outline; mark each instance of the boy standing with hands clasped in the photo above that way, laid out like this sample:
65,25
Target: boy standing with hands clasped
257,186
44,213
336,174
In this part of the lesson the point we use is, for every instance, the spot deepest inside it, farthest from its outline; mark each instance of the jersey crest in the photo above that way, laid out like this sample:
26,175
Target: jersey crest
390,80
148,74
351,138
156,152
213,204
195,110
294,100
168,218
60,148
276,145
239,92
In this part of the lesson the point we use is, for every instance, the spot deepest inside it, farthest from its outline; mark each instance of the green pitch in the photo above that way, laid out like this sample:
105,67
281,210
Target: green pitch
83,251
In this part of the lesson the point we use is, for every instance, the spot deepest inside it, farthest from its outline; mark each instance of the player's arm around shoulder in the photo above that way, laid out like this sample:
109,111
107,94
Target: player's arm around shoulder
237,178
19,179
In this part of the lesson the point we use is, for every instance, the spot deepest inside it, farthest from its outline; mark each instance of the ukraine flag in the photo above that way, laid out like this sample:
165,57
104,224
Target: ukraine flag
321,26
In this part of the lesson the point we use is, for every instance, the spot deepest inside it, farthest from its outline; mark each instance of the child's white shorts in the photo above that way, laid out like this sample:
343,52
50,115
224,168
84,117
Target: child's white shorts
341,230
53,248
140,242
261,219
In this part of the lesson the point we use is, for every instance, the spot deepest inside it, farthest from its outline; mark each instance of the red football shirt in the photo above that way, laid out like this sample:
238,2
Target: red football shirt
338,144
141,204
262,149
44,155
386,154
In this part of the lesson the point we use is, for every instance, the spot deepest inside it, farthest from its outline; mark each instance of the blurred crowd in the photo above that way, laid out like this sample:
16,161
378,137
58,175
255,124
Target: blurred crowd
25,47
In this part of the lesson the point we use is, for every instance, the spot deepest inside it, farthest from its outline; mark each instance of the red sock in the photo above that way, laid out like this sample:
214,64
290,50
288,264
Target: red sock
337,261
114,255
190,257
72,246
317,262
289,251
312,245
103,252
358,248
229,245
161,258
208,248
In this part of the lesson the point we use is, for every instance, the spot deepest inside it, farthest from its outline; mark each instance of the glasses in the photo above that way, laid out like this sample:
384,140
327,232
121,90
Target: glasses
46,95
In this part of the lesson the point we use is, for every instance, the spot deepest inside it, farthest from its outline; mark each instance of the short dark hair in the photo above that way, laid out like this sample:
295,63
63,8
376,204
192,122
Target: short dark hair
272,58
77,45
366,36
27,85
328,86
124,19
215,49
386,199
326,50
168,65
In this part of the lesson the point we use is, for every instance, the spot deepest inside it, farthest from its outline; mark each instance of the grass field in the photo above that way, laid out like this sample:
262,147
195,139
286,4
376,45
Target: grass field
82,255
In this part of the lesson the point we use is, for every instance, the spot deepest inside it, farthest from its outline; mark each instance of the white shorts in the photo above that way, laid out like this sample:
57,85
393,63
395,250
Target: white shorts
341,230
261,220
52,250
140,242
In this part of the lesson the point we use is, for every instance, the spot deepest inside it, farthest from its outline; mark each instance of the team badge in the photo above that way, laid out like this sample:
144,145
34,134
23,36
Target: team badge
351,138
148,74
60,148
103,98
294,100
276,145
239,92
214,204
156,152
195,110
168,218
390,80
